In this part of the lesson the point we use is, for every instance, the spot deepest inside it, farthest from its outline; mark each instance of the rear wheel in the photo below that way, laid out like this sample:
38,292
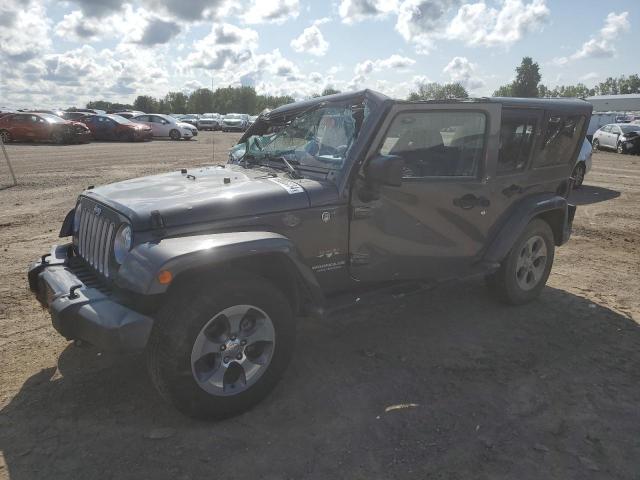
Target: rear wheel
174,134
5,136
524,273
578,175
215,351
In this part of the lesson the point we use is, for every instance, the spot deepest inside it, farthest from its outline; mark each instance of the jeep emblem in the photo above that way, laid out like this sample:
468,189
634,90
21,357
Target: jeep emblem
326,216
97,210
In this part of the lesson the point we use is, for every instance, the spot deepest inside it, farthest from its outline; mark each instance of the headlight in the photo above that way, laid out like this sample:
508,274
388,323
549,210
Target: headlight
122,243
76,219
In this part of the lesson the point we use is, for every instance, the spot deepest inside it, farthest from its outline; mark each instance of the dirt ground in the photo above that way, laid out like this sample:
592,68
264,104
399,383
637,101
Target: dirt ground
548,390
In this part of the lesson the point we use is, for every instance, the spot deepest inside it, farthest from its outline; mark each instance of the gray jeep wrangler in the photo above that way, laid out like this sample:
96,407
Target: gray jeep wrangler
338,198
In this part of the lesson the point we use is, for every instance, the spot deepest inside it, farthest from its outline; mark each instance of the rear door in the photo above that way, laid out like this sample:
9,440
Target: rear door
436,224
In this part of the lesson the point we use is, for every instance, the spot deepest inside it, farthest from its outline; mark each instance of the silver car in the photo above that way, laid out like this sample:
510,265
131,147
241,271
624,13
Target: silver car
167,126
622,137
210,121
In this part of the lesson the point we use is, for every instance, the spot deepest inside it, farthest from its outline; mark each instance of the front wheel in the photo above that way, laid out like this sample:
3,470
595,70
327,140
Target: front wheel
217,350
595,146
524,273
174,134
621,148
5,136
57,138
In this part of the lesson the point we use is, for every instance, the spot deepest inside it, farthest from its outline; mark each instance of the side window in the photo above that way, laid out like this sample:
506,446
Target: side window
561,135
606,129
437,143
517,135
615,129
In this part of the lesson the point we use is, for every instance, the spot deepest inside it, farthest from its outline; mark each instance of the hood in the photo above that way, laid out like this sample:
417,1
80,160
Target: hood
185,125
216,193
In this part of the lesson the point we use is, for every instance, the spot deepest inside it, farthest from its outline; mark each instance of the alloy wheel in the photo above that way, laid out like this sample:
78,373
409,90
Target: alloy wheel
233,350
531,263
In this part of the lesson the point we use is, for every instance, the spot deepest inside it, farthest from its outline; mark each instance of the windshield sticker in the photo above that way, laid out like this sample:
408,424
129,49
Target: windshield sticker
289,186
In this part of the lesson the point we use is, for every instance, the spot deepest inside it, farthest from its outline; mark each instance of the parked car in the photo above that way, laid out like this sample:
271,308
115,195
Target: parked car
622,137
210,121
191,119
114,127
129,114
334,201
166,126
252,119
75,116
42,127
583,164
235,122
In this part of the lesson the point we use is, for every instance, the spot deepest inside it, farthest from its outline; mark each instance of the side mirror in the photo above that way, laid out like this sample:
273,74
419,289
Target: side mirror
385,170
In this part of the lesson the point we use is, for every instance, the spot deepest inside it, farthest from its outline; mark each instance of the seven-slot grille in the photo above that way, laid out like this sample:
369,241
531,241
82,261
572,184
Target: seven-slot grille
95,237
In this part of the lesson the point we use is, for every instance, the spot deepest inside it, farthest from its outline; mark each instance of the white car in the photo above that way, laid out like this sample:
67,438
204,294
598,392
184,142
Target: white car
166,126
235,122
210,121
583,164
622,137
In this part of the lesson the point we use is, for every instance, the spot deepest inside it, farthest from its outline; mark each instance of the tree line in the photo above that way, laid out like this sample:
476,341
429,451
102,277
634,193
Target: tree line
527,83
204,100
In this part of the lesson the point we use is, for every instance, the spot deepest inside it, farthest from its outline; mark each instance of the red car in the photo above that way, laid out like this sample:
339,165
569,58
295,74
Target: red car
43,127
115,127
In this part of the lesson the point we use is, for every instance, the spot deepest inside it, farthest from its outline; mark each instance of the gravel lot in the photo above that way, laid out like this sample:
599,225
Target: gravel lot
548,390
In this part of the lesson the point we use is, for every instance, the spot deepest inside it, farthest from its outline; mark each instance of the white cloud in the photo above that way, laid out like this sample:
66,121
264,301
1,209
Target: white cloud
310,41
420,22
461,70
352,11
272,11
601,45
587,77
224,47
24,31
394,61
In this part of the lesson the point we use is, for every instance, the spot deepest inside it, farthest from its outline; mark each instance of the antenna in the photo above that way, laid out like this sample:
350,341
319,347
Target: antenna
6,156
213,131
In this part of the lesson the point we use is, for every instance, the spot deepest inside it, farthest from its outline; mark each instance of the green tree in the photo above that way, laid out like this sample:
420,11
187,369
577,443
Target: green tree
175,102
200,101
526,83
146,103
437,91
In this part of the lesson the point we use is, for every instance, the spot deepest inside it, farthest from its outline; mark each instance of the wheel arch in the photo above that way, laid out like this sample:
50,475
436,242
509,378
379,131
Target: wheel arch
265,254
554,210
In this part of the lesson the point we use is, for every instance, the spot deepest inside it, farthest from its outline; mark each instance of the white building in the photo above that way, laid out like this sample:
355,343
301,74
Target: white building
615,103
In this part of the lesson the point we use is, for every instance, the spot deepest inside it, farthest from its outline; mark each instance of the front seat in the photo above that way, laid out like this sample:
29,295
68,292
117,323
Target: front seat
423,152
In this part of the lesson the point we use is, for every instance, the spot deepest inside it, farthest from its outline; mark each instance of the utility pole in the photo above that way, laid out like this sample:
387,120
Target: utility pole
6,156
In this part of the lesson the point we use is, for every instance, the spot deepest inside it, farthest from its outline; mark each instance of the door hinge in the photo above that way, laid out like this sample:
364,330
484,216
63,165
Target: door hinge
359,258
361,212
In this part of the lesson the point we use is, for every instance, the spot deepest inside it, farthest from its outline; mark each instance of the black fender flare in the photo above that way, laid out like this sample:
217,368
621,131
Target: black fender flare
552,208
178,255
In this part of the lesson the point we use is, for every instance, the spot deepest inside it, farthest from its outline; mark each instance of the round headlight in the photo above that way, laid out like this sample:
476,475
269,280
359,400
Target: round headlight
122,243
76,219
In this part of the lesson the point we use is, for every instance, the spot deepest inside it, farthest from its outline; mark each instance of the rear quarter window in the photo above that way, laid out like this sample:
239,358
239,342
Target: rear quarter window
560,140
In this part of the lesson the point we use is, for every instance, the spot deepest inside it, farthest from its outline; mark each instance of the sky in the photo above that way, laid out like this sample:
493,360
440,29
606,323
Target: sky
56,53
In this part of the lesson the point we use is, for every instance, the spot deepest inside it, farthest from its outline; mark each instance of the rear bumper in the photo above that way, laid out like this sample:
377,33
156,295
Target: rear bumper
88,314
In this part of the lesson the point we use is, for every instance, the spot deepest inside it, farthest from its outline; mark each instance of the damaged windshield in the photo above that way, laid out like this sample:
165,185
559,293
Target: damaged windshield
318,139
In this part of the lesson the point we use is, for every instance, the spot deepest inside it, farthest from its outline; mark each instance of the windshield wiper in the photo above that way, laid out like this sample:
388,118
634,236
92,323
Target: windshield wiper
293,171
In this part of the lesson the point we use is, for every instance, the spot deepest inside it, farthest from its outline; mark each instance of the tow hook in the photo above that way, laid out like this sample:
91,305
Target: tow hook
72,291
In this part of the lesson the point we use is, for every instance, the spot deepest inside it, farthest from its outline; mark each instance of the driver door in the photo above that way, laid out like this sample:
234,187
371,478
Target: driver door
435,225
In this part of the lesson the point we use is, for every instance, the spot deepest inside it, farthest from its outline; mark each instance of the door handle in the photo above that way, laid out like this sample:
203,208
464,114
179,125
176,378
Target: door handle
512,190
469,201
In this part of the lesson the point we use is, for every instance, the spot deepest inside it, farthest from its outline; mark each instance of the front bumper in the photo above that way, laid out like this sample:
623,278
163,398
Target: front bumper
88,314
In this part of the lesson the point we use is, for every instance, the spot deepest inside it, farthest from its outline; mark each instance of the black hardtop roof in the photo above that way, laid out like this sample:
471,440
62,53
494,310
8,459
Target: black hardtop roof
560,104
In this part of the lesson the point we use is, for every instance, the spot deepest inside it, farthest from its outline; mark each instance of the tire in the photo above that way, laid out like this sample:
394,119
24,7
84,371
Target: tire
57,138
511,283
621,149
181,371
5,136
595,146
578,175
174,134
